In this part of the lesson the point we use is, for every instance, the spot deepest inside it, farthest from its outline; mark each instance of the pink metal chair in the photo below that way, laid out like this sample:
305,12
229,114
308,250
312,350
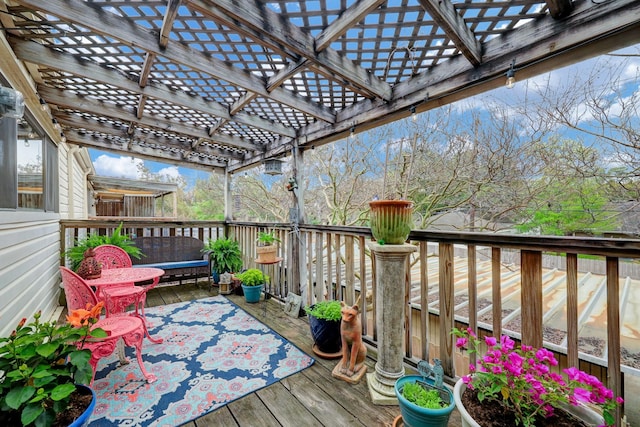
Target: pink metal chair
131,328
111,256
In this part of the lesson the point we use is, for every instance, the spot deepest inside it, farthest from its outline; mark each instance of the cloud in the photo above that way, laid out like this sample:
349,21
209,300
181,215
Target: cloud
119,167
170,173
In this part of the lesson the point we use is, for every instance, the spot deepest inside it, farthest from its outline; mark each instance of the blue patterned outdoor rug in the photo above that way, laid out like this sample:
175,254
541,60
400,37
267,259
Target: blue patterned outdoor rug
213,353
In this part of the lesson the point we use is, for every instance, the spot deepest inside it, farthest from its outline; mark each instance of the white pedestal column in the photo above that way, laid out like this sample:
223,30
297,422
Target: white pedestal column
390,276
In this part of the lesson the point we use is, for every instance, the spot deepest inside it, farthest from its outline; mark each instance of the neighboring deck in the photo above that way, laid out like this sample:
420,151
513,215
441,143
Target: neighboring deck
309,398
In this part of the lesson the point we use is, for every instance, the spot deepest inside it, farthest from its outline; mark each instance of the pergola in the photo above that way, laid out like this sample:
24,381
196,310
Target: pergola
223,85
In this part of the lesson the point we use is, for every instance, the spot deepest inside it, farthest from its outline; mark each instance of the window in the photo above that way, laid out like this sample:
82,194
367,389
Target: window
28,167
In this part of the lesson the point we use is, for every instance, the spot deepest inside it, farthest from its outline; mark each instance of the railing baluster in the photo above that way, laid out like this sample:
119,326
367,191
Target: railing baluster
496,292
572,309
613,331
424,301
446,293
472,293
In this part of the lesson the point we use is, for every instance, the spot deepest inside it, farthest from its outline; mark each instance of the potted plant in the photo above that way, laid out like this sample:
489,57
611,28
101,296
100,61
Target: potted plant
266,250
519,386
425,401
253,281
391,221
226,257
324,322
44,371
93,240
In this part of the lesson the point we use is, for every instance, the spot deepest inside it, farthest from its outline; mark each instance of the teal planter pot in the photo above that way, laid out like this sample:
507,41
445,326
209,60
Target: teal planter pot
252,293
417,416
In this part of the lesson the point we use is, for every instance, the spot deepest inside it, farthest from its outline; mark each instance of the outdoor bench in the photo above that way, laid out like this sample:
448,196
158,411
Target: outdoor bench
180,257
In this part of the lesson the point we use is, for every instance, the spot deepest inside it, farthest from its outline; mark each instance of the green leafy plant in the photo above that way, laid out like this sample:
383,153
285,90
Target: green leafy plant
76,252
225,255
327,310
267,239
422,396
252,277
521,380
40,365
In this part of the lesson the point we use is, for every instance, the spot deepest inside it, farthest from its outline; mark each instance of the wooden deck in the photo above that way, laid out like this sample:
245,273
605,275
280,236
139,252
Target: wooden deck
309,398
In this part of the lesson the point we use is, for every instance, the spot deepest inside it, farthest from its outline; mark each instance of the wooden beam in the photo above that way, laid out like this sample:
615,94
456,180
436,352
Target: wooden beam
446,16
68,100
134,35
146,69
142,152
347,19
133,135
250,18
18,77
587,33
286,73
167,22
39,54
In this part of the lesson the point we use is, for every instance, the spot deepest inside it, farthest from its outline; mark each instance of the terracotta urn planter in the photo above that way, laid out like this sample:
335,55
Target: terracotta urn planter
391,221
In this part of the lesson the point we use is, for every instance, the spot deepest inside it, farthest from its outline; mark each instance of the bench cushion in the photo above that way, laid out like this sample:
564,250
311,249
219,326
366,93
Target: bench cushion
176,264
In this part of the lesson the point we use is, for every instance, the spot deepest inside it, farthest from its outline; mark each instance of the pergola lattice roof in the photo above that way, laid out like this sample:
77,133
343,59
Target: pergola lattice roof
226,84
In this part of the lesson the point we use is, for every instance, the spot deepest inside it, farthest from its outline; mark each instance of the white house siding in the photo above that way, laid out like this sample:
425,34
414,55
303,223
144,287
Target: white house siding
29,260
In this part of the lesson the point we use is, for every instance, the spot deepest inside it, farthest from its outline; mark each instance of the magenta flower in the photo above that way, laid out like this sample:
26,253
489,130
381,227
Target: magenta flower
526,373
490,341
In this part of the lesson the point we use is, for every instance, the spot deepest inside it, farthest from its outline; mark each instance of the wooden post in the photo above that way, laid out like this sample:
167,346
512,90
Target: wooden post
572,309
496,292
446,289
531,298
614,376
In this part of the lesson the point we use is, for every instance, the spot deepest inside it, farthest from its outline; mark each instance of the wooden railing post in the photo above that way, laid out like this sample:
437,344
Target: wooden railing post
613,331
446,291
531,298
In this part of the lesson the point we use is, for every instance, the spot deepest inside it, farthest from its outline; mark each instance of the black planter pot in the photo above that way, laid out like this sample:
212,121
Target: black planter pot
326,336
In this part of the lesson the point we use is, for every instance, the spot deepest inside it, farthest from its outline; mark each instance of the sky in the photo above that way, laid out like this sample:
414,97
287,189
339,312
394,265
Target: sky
108,164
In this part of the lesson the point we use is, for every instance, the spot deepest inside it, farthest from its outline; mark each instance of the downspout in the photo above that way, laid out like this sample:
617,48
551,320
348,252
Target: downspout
84,161
70,199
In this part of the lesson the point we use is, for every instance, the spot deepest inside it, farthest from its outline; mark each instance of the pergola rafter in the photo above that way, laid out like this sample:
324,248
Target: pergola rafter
223,84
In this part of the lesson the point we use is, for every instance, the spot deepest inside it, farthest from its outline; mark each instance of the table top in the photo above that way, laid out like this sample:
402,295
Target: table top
116,276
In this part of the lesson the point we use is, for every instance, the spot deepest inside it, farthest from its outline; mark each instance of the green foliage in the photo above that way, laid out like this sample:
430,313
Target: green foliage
424,397
225,255
252,277
327,310
39,367
267,239
571,207
76,252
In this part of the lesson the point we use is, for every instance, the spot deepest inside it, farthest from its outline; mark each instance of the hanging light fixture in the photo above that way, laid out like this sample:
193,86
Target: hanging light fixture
352,133
414,116
273,167
511,75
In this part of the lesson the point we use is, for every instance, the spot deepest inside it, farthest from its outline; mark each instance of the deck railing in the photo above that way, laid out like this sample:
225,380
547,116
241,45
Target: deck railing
454,279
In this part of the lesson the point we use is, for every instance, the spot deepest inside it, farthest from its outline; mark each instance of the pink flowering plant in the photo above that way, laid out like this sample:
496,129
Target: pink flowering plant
521,380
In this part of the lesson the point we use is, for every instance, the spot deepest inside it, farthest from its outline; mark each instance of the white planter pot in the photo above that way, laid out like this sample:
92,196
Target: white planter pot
590,417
